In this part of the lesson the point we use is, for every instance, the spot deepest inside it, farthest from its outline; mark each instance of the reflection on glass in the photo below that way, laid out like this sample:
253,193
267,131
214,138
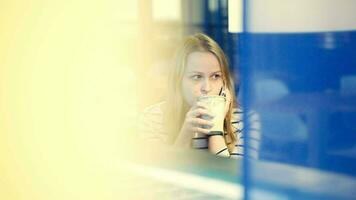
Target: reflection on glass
302,83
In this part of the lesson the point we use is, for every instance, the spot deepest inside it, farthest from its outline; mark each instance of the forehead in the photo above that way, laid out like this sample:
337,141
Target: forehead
202,62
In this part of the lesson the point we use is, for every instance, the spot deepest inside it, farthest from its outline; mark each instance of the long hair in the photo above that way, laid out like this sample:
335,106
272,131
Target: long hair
176,107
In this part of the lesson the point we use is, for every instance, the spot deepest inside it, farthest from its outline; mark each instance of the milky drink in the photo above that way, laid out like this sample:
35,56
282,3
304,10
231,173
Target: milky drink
216,106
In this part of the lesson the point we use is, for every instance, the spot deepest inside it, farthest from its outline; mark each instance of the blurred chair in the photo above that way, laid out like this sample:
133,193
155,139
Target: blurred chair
348,85
268,90
284,134
344,122
341,145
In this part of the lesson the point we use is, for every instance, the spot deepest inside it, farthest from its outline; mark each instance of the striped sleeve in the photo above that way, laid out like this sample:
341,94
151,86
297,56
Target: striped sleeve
240,130
224,152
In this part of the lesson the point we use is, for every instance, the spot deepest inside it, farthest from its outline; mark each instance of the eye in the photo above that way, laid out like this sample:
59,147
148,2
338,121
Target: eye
216,76
196,77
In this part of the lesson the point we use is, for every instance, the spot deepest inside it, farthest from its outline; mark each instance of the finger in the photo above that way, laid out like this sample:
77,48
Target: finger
200,112
191,111
228,100
201,130
226,91
197,111
200,104
202,122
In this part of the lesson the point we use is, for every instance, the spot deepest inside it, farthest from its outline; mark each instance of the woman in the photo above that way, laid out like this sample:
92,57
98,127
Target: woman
201,68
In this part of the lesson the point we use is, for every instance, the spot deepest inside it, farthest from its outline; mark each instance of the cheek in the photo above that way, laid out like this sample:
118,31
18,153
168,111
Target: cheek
217,86
190,91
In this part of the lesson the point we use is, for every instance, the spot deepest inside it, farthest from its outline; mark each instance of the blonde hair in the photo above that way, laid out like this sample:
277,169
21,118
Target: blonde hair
176,107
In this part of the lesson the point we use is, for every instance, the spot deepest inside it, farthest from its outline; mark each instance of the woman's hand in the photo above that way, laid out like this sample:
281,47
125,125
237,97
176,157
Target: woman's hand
194,124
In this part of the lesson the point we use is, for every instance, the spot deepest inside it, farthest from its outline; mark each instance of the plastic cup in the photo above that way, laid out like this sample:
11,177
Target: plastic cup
216,106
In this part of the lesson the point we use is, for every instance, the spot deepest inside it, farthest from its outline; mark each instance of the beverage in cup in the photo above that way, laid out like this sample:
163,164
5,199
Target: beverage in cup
216,106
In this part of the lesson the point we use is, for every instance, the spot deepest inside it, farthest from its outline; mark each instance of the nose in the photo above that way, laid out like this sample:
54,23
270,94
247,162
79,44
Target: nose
206,87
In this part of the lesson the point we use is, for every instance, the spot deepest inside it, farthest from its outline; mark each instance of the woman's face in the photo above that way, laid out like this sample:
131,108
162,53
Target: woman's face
202,76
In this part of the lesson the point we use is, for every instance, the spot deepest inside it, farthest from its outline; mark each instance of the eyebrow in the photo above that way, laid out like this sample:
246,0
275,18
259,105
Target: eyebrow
196,72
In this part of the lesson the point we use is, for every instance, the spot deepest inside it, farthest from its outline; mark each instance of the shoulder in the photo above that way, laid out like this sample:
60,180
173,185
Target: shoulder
153,113
150,124
155,108
254,135
236,120
238,113
252,118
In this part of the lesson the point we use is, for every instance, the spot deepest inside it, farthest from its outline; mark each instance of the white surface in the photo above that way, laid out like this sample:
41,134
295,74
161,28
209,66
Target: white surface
301,15
189,181
235,12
